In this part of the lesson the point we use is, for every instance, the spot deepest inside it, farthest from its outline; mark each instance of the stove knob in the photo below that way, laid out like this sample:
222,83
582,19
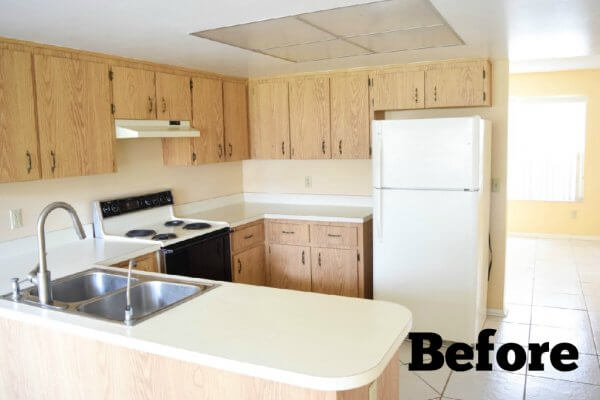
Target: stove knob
114,209
106,210
148,202
155,201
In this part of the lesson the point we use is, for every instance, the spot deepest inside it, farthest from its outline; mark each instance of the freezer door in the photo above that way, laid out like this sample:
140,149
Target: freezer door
433,154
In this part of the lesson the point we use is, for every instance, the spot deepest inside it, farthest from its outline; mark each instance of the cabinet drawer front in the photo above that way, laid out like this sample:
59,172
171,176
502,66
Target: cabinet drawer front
334,236
288,233
247,237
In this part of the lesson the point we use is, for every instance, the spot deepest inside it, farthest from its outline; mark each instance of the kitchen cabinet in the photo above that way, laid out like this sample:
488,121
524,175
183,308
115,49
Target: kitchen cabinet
459,84
134,93
269,120
174,97
289,267
397,90
19,158
235,109
334,271
350,116
207,117
249,266
147,262
309,118
76,129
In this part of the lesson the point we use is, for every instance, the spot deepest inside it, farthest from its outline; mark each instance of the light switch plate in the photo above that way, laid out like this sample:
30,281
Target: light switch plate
307,182
16,218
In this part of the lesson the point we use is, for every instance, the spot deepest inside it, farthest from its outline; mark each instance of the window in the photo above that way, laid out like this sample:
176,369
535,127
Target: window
546,147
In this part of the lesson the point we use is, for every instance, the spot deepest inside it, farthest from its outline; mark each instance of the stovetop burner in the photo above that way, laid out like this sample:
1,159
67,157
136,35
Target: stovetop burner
140,233
164,236
197,225
175,222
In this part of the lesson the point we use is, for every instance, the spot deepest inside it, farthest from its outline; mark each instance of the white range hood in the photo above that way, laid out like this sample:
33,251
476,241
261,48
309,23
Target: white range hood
134,128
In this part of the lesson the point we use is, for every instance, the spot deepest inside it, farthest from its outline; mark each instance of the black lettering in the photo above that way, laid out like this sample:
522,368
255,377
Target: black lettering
520,357
537,350
419,351
453,356
483,348
556,357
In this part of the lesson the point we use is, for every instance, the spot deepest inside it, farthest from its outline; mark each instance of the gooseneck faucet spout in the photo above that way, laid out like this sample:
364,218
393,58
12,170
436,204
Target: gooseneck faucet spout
43,275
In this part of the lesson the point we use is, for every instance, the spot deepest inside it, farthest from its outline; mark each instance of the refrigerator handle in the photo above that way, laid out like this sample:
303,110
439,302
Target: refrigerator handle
378,213
377,158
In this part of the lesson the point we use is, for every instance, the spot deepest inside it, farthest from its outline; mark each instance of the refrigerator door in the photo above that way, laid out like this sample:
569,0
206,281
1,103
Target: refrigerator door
426,248
427,154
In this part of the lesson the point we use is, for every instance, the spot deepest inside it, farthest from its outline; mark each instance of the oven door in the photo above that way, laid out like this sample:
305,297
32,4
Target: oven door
207,256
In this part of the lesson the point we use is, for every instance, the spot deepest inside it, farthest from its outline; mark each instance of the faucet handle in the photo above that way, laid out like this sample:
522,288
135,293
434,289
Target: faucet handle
16,289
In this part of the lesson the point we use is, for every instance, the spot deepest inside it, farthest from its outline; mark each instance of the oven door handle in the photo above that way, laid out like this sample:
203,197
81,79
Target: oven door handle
167,251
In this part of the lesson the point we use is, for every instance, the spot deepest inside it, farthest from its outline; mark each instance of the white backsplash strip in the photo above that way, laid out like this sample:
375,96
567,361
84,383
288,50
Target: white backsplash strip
209,204
309,199
26,245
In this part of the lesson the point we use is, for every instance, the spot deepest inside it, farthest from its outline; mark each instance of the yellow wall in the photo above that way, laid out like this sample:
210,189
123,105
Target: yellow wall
579,218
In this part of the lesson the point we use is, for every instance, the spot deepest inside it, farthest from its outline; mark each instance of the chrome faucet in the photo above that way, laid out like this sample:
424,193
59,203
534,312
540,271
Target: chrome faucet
42,278
128,307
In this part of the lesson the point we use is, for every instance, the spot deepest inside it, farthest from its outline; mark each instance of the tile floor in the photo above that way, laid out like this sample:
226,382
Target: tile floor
552,294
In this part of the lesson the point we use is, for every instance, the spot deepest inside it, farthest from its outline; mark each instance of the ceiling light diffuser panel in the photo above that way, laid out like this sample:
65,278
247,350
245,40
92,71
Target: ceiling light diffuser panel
378,27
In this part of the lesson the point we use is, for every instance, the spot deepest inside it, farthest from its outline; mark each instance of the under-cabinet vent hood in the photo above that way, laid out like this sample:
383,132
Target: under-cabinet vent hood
132,128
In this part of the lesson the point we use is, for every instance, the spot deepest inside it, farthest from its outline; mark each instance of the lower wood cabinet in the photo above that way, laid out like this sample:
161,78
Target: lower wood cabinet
334,271
147,262
289,266
249,266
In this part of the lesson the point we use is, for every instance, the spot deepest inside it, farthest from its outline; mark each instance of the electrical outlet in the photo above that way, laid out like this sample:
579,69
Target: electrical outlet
573,214
495,185
307,182
16,218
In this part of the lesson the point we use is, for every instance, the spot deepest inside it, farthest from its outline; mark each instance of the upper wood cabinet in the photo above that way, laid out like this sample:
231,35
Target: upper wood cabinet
173,97
309,118
235,99
460,84
207,117
134,93
398,90
76,127
269,120
19,160
350,116
289,266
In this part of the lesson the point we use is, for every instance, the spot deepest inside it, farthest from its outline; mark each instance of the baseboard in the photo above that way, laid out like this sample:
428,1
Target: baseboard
496,312
552,236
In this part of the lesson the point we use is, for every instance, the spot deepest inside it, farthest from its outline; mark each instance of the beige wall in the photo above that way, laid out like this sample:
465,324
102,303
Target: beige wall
354,177
140,169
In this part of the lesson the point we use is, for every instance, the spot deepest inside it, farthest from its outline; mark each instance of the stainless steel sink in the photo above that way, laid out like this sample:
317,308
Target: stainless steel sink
85,287
146,298
101,294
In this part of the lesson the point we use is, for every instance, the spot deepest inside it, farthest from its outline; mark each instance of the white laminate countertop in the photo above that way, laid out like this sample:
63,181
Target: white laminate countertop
304,339
244,212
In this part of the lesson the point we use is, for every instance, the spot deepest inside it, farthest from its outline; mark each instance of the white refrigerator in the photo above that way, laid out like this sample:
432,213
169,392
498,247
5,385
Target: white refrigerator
431,197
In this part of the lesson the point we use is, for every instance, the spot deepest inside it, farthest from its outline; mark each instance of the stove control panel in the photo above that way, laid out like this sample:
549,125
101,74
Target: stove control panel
112,208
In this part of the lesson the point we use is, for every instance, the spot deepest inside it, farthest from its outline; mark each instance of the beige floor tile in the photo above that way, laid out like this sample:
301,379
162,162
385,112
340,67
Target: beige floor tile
551,389
414,388
588,370
554,250
593,302
586,255
557,285
559,300
507,332
480,385
436,379
558,317
595,320
517,313
581,338
590,289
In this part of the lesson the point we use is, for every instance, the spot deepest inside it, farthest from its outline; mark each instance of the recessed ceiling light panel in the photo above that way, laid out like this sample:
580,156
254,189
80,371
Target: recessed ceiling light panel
317,51
411,39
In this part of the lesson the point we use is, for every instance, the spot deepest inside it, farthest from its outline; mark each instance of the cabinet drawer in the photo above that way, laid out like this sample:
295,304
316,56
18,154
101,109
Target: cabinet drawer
334,236
288,233
247,237
147,262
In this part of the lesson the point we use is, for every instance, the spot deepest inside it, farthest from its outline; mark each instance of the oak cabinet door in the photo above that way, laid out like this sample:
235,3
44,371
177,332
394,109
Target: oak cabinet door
207,117
134,93
249,266
398,90
269,120
19,159
309,118
350,116
76,126
334,271
174,97
465,84
235,108
289,267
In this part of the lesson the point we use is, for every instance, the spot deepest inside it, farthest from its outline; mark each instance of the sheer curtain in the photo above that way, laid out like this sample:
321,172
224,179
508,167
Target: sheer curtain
546,148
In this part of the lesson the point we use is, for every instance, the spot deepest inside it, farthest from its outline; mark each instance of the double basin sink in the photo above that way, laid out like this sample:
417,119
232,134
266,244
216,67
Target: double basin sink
103,294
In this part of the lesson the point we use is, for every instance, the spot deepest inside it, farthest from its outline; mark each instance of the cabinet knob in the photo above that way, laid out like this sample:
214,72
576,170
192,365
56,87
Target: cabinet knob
323,146
150,105
435,93
29,166
303,260
283,148
194,157
249,236
53,165
220,151
164,105
239,266
319,261
230,149
416,95
340,146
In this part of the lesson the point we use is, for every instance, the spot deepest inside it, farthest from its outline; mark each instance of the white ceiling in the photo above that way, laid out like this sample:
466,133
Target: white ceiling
553,33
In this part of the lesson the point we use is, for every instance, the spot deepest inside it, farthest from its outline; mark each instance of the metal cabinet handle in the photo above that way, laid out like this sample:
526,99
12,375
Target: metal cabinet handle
220,151
230,149
435,93
303,260
194,157
239,266
288,232
28,155
319,259
283,148
416,95
150,105
340,146
164,105
332,235
53,165
249,236
323,146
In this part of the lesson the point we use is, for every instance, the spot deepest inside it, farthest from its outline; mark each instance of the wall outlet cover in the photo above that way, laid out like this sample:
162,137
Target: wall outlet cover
307,182
16,218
